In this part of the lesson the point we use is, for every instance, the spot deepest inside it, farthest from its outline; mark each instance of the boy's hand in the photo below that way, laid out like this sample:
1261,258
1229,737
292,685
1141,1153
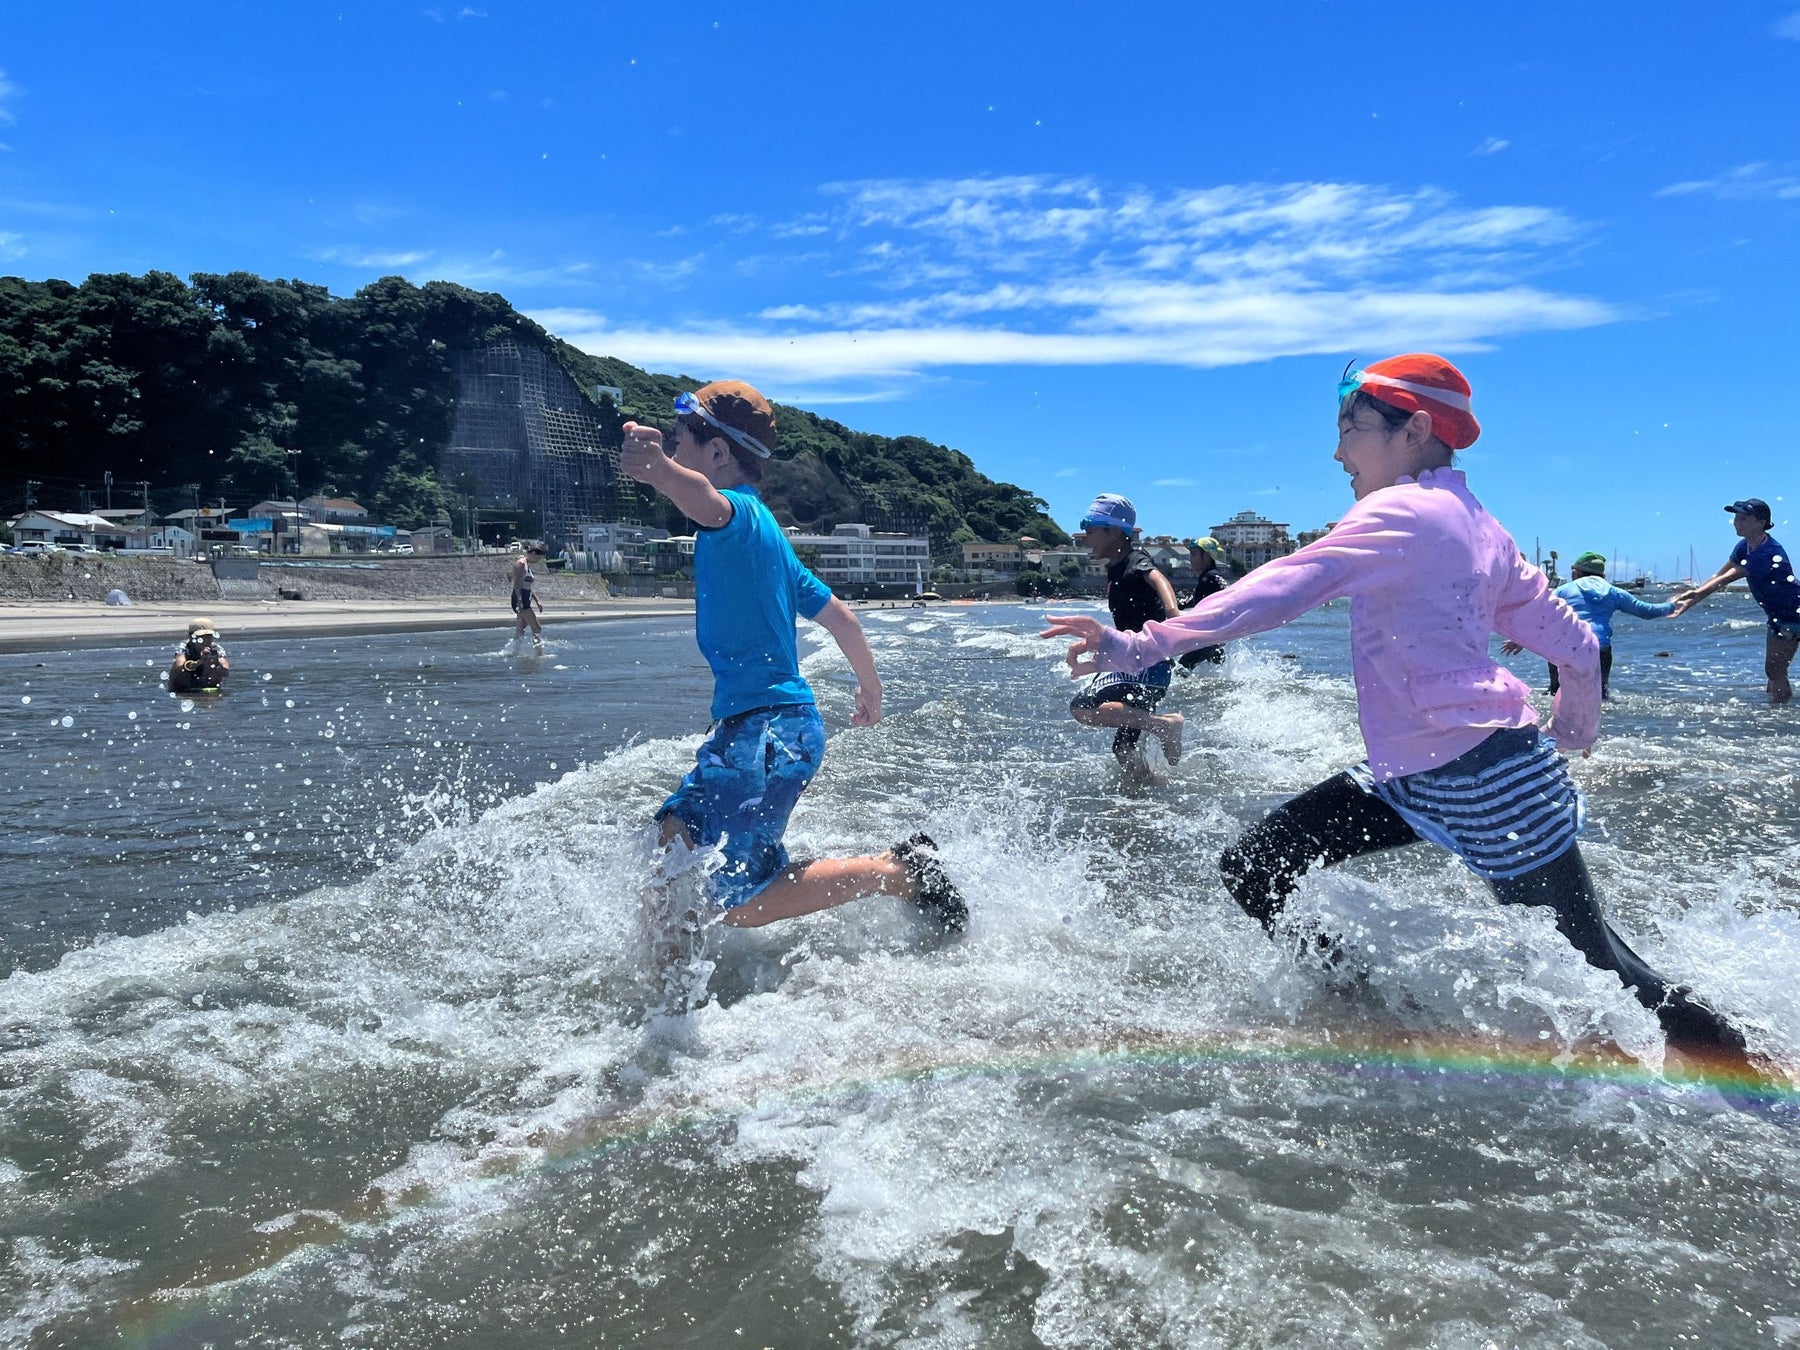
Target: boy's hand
642,456
1511,648
868,706
1086,647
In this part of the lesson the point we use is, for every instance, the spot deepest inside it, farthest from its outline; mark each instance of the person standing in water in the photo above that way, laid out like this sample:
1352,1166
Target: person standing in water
1136,592
1595,600
1455,755
1760,557
1206,556
524,580
767,739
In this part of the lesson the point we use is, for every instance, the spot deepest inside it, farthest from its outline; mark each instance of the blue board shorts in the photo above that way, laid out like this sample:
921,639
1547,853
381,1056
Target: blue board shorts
746,780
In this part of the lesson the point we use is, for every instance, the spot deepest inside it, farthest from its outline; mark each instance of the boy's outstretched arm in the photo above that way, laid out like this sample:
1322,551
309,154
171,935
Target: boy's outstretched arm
643,457
838,620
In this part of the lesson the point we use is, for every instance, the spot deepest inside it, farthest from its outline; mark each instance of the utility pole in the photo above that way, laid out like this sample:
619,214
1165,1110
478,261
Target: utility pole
31,487
87,501
144,490
107,478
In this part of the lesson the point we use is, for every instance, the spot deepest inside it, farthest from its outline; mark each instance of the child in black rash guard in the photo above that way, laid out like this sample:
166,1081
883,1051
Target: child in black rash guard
1137,594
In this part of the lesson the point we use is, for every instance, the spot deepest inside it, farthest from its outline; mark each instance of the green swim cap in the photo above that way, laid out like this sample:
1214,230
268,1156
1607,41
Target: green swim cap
1590,562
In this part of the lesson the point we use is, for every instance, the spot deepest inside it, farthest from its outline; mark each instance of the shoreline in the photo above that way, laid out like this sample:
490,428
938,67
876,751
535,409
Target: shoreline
59,627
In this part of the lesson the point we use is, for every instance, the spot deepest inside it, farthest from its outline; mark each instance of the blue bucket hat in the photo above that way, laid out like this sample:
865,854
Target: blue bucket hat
1111,509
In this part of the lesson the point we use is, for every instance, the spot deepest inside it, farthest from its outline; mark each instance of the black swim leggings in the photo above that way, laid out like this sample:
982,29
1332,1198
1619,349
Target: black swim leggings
1605,674
1337,820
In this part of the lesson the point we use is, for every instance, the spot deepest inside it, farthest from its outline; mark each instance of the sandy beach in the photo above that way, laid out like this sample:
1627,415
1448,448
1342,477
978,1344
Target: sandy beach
52,627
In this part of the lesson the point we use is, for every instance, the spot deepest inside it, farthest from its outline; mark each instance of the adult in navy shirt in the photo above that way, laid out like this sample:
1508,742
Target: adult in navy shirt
1760,557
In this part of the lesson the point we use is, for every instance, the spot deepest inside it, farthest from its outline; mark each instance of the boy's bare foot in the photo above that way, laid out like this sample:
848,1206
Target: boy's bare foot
1168,730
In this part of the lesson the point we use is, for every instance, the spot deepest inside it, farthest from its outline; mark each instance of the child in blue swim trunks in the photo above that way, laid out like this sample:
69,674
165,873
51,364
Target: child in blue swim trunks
767,739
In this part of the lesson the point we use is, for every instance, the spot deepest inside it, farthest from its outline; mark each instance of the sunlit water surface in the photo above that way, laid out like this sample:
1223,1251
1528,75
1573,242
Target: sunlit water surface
325,1019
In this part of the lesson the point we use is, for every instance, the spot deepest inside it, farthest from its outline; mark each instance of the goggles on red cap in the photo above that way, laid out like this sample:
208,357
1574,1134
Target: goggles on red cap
1358,379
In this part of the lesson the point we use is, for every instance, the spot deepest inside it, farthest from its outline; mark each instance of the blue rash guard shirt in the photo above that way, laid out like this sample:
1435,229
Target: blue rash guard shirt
1595,600
1771,575
748,586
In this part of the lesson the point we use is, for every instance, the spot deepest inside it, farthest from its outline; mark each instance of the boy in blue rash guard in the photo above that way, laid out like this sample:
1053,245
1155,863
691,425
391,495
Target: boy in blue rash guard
767,739
1595,600
1760,557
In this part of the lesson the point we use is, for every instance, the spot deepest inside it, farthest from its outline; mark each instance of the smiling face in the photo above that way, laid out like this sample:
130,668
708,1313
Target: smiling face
1748,525
1377,454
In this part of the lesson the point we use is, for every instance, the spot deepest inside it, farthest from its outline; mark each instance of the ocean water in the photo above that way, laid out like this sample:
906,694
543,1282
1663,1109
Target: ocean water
326,1018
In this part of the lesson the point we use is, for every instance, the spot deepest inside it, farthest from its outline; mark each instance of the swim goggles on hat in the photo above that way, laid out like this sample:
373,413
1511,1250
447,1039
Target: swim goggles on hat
686,405
1356,379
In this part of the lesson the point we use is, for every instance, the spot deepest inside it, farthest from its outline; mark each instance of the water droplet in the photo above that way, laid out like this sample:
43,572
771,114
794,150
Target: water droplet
132,716
25,699
249,836
267,676
68,721
187,705
290,703
252,964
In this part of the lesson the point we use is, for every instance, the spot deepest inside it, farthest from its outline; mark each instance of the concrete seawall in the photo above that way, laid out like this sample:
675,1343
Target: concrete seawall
67,577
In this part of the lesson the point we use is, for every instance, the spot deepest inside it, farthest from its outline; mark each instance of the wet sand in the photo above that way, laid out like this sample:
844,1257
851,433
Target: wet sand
58,627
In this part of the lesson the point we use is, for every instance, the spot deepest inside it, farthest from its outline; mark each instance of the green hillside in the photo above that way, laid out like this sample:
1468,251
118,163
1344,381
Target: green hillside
241,387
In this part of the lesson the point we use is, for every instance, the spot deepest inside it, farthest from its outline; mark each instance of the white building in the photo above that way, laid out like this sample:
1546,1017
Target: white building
620,547
1252,540
855,555
63,528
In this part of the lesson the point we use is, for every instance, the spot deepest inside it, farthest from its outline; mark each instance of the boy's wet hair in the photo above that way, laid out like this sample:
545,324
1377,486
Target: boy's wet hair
751,465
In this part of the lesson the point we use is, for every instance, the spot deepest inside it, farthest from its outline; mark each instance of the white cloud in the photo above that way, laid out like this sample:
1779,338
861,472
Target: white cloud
8,92
1065,473
1748,182
12,246
1175,482
1493,145
904,277
1789,27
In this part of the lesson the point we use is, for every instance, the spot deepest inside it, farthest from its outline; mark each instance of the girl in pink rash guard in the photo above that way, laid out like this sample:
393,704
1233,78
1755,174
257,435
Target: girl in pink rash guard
1455,755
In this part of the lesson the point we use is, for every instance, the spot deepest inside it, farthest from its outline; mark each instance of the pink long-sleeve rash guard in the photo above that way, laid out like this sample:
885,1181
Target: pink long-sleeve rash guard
1430,576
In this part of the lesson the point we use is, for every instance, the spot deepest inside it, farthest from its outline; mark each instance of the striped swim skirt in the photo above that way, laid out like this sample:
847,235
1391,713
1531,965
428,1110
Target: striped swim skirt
1505,808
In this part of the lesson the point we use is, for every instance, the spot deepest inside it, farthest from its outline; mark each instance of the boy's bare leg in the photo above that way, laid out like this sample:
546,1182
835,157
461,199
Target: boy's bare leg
822,884
809,887
1166,727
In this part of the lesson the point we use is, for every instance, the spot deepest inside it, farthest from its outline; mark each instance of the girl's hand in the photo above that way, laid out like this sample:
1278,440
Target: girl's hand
1511,648
1085,650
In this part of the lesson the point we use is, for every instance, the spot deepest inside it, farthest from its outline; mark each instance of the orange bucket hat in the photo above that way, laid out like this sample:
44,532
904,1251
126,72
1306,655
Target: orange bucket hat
1421,382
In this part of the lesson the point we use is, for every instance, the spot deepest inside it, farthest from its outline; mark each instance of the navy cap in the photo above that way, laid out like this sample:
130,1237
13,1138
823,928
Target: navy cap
1751,506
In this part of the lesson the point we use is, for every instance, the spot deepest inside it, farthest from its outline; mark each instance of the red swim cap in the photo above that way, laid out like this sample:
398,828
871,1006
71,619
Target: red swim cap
1420,382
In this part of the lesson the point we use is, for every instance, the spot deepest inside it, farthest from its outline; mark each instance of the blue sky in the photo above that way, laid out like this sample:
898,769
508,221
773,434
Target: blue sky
1120,248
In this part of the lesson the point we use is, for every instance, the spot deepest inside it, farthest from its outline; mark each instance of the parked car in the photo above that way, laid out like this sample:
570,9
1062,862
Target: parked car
404,550
82,550
35,549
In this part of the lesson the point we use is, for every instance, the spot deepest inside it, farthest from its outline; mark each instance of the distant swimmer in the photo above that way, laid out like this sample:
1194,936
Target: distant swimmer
1136,593
524,580
1454,751
1760,557
1595,600
1206,556
767,739
200,667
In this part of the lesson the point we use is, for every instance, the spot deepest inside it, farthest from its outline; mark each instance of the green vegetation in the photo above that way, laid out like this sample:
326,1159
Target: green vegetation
242,387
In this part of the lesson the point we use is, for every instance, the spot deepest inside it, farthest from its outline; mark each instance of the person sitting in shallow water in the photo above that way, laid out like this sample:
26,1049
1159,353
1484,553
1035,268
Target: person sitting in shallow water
200,664
1595,600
